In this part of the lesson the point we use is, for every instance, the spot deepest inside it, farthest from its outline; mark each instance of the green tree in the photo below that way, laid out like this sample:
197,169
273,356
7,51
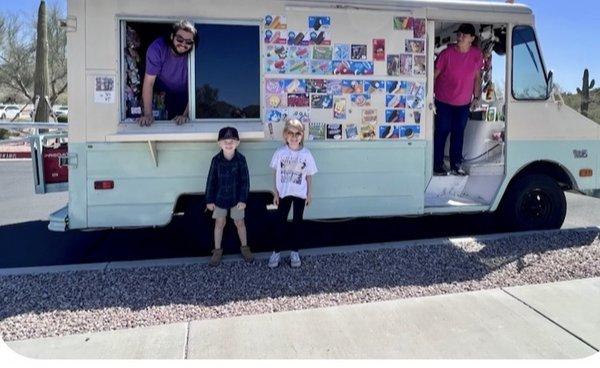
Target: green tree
40,78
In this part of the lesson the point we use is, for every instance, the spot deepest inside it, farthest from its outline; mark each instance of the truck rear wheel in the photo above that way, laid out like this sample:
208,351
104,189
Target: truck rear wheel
533,202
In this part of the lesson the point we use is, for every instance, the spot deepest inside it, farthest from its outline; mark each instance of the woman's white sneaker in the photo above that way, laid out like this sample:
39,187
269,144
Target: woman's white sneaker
295,259
274,260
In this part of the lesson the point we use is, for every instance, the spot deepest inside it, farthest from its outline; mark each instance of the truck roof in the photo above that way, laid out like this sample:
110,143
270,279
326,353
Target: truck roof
484,6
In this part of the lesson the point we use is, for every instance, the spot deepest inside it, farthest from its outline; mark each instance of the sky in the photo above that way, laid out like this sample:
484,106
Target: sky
567,30
568,33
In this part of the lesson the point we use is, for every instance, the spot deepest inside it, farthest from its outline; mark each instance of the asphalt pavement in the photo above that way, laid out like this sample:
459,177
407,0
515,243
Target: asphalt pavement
25,240
18,201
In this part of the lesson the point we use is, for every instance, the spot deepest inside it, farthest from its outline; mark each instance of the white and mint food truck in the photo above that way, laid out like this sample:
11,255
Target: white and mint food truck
358,74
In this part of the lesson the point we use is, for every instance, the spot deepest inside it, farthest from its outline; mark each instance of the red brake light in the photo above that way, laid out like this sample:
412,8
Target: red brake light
104,184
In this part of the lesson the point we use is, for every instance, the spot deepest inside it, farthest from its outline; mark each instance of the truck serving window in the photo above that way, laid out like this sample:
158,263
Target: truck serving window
136,38
528,77
227,72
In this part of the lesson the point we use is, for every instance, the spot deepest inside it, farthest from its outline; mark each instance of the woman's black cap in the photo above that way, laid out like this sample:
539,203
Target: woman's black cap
466,28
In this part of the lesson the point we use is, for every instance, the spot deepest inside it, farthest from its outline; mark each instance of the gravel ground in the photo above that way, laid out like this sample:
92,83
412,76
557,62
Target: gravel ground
45,305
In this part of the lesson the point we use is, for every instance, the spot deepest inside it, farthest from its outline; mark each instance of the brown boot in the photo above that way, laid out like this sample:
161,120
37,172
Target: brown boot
247,254
216,257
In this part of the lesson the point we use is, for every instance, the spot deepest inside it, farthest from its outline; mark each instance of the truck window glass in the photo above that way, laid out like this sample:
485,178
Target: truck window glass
529,77
227,72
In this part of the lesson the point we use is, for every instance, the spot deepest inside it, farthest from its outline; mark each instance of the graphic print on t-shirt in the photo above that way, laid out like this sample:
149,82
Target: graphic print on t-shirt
291,169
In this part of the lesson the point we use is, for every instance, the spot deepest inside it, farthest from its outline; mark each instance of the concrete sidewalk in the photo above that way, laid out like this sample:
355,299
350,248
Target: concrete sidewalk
558,320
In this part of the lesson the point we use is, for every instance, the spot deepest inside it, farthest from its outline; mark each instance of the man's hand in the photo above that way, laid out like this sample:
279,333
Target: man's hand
210,206
276,199
308,199
241,206
146,120
181,119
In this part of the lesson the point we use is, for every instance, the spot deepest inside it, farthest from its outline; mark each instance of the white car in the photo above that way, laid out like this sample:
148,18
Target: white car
9,112
61,110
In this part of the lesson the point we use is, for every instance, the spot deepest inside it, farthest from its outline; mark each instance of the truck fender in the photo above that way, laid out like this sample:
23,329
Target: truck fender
555,170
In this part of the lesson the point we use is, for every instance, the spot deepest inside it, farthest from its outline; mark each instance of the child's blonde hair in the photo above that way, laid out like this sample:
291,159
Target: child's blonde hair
293,123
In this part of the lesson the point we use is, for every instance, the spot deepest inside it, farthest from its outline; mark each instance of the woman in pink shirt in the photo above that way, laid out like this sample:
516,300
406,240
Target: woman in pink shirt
457,86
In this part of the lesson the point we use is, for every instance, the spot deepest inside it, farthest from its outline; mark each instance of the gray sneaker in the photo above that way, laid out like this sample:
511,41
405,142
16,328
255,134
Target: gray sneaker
295,259
274,260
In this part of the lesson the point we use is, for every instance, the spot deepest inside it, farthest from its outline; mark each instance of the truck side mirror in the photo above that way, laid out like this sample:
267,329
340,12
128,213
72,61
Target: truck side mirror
549,83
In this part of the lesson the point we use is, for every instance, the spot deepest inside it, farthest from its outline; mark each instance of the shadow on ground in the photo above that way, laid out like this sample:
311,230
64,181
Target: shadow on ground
31,244
143,288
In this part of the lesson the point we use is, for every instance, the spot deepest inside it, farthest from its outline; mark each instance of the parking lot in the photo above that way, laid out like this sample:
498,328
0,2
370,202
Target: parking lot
20,112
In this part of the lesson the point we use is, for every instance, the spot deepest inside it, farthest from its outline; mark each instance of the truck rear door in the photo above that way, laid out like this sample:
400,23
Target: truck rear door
49,157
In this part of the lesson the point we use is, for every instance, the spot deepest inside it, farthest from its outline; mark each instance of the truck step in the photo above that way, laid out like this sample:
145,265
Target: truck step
446,186
59,220
486,169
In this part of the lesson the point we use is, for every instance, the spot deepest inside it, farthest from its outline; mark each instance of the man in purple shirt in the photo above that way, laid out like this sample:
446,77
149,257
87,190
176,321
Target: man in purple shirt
167,69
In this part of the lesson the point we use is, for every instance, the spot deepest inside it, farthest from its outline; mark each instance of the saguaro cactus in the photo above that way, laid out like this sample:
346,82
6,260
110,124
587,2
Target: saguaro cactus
40,84
585,92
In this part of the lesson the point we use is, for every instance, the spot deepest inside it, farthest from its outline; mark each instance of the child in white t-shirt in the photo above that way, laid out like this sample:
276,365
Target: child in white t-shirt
294,167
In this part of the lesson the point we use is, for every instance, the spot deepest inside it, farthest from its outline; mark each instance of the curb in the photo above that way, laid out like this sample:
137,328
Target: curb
169,262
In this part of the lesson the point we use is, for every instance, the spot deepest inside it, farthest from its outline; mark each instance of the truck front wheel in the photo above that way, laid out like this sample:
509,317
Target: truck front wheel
533,202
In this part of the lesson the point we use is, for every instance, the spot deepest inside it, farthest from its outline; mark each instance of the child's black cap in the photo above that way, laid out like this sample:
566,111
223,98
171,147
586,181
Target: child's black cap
228,133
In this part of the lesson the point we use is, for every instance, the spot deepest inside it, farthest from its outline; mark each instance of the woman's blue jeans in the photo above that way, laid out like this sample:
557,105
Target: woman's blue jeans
451,120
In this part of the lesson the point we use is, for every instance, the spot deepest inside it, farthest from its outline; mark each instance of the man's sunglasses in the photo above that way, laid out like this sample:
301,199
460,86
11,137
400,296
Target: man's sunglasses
184,40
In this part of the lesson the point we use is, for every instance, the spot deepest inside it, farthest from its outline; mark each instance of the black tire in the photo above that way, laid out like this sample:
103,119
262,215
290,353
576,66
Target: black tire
533,202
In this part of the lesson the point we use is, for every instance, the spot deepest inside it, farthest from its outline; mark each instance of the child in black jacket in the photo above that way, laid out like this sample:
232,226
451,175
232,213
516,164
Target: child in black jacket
227,188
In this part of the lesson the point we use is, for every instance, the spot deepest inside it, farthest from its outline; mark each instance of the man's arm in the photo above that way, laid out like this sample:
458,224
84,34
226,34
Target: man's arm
147,90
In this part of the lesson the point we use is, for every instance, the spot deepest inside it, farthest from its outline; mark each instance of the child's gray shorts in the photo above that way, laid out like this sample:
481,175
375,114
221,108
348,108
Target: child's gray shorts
222,213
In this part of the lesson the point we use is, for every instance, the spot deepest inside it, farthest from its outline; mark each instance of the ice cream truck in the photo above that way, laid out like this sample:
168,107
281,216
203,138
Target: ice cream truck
359,75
